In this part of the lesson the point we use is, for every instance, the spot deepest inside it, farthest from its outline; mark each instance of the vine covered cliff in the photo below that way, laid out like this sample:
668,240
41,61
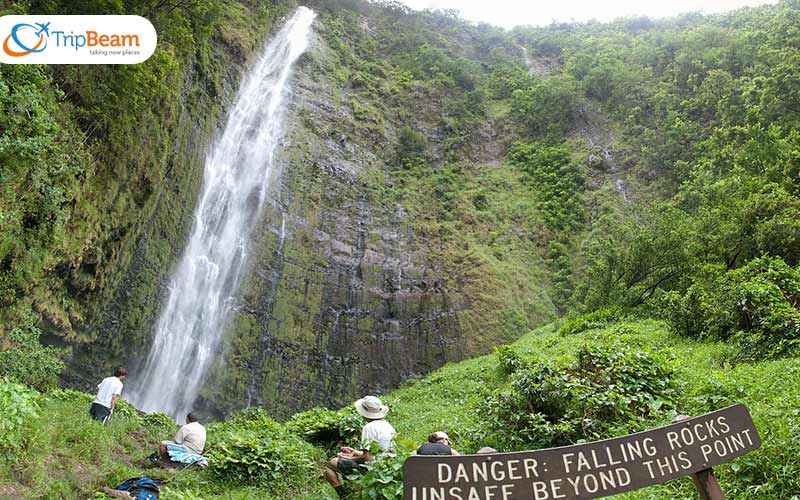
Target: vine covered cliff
444,187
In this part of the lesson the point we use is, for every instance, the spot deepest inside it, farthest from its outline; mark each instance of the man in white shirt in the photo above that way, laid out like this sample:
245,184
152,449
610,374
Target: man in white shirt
376,430
188,443
108,393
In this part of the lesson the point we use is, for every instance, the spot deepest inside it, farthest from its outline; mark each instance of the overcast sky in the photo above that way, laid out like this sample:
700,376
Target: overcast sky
510,13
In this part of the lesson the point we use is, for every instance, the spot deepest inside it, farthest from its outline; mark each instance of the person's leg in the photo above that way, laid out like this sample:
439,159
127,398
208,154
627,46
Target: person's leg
332,473
162,449
117,493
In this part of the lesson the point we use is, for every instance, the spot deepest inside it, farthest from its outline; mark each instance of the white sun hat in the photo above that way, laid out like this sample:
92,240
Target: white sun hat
371,407
441,435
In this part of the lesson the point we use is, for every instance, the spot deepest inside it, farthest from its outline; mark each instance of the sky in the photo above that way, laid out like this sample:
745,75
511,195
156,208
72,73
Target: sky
510,13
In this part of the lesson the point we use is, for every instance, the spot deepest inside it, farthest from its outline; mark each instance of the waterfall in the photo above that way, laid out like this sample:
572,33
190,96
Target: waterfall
236,179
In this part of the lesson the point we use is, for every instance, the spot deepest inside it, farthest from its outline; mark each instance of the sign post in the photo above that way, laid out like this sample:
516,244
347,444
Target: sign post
691,446
707,485
704,481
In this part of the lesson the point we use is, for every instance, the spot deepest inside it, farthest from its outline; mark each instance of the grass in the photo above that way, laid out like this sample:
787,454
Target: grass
70,456
448,399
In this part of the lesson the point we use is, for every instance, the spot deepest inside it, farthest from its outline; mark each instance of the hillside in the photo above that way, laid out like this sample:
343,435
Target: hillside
526,238
443,187
371,240
67,456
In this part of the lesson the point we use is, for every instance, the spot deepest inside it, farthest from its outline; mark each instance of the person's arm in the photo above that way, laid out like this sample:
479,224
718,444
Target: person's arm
354,455
454,452
117,393
363,454
180,435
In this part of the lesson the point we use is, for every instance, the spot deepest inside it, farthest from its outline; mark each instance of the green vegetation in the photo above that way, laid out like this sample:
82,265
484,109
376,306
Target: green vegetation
625,377
96,161
755,305
594,319
65,454
556,180
640,179
607,389
20,407
544,108
23,358
328,428
703,379
253,448
704,125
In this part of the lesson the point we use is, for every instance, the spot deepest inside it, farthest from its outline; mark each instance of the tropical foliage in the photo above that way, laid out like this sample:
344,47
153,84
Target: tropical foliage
606,173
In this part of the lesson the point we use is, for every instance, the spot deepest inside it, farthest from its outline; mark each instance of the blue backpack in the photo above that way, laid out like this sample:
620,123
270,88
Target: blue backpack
140,488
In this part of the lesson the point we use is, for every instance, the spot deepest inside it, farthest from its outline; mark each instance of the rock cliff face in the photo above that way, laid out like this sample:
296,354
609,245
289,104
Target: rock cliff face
356,281
350,290
344,298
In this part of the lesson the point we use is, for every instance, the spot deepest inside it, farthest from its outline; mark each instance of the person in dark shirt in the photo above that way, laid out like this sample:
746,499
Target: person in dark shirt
438,444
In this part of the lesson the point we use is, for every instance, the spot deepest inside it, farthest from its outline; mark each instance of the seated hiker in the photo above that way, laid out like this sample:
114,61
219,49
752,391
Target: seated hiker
438,444
376,430
187,445
108,393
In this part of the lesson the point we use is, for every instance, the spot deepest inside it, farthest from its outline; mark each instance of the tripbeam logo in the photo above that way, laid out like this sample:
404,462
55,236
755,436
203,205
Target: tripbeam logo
22,49
76,39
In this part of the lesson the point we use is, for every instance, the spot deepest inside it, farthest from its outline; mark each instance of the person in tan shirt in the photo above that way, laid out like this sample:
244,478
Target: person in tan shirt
190,438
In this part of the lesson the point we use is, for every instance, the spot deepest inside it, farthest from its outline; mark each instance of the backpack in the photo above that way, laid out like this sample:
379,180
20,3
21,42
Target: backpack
140,488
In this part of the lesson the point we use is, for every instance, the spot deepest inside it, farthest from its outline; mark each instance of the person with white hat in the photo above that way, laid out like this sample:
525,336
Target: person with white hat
377,430
438,444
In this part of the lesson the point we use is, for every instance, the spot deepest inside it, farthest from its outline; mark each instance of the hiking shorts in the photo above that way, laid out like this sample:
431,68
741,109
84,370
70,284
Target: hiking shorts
99,411
347,467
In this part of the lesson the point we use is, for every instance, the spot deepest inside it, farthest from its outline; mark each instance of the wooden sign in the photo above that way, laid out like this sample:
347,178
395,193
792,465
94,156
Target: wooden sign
586,471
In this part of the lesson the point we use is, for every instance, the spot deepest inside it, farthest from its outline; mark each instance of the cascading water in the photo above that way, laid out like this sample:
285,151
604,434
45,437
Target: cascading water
236,179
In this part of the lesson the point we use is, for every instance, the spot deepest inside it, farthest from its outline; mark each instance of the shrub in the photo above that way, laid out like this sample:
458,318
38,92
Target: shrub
594,319
757,304
700,310
159,424
24,359
20,406
545,108
557,181
768,303
608,389
509,359
384,478
254,448
126,409
411,147
328,428
72,396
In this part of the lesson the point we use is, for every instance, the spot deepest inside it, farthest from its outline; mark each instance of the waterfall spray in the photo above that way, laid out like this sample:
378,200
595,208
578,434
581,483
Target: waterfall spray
238,170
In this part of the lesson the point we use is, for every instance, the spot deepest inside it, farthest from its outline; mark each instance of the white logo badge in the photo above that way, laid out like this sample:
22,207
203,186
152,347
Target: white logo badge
76,39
